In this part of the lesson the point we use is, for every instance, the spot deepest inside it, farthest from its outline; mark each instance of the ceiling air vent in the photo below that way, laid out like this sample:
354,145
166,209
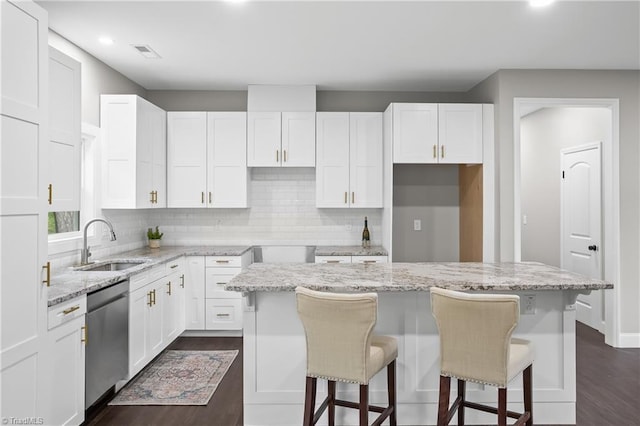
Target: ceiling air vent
146,51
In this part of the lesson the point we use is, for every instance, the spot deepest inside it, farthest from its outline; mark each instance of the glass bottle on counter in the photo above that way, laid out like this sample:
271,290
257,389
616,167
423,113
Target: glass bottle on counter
366,240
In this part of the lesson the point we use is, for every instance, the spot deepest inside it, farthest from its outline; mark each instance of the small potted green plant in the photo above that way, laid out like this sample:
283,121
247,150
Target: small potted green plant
154,237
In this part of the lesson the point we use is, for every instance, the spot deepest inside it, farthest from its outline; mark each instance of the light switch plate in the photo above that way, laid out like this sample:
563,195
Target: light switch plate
417,225
528,304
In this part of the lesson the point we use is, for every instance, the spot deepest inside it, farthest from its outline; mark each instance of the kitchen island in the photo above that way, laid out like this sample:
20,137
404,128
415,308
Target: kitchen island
274,343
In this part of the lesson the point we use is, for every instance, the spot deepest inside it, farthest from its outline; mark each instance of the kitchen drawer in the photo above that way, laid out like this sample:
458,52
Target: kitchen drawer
223,261
333,259
140,280
368,259
223,314
66,311
214,285
175,265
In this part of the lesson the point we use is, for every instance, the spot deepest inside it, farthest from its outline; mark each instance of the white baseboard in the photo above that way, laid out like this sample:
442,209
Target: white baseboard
212,333
629,340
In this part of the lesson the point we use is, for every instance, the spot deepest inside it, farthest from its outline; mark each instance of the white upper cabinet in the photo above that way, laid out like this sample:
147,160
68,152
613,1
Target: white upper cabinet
460,133
207,159
64,132
134,153
437,133
415,132
281,139
349,160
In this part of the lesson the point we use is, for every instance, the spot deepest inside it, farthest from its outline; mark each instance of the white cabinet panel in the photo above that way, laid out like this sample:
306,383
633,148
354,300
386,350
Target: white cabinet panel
227,158
224,314
284,139
186,158
264,132
194,293
460,133
64,131
298,139
415,133
138,330
349,160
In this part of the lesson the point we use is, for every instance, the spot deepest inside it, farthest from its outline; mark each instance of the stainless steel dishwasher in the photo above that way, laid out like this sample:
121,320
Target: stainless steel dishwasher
107,350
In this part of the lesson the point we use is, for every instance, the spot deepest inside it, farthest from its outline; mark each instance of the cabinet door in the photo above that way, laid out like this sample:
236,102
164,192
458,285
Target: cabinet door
23,209
194,293
143,121
298,139
227,159
460,133
66,351
415,133
139,304
365,144
186,159
170,308
263,139
156,314
64,131
332,169
159,156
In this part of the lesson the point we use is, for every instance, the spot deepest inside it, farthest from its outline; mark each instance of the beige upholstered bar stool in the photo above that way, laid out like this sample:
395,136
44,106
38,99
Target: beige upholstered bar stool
476,346
341,347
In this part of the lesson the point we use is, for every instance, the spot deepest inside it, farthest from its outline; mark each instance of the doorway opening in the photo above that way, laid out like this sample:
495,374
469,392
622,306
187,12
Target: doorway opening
542,128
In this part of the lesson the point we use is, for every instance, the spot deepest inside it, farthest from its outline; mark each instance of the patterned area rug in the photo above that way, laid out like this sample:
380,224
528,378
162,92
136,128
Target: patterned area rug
177,378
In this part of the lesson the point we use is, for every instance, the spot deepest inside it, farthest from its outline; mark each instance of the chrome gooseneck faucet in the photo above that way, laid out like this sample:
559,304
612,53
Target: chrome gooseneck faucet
85,254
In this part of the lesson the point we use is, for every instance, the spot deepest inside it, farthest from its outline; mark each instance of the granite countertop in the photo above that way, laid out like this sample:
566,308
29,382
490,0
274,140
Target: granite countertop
411,277
350,251
70,283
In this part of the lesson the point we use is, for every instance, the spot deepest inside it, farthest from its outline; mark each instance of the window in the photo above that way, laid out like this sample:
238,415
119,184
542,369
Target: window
65,232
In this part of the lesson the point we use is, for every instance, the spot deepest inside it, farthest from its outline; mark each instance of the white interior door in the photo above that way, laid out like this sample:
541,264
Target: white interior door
581,208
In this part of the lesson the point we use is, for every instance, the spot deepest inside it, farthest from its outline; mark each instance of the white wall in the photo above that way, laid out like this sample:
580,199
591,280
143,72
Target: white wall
502,87
282,212
543,134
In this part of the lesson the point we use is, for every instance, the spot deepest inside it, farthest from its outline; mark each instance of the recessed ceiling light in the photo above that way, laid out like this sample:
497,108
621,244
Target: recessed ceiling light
107,41
540,3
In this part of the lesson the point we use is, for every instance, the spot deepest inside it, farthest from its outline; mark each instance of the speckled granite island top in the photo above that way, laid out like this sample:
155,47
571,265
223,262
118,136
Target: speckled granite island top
350,251
410,277
69,283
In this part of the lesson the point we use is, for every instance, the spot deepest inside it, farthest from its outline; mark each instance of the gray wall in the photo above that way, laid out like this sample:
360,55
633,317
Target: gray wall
543,134
505,85
203,100
97,78
428,192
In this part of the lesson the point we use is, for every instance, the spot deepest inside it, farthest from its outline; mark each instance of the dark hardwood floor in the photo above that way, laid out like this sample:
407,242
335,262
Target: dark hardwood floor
608,388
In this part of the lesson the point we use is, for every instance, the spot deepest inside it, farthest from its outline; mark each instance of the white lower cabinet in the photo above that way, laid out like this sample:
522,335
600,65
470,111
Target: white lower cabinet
208,305
65,359
351,259
173,298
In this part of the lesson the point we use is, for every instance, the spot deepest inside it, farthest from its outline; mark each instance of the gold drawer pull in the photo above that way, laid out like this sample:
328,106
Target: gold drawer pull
333,261
435,152
153,292
72,309
222,315
169,292
150,302
47,280
222,261
173,266
85,335
50,198
442,151
370,261
182,280
353,198
202,197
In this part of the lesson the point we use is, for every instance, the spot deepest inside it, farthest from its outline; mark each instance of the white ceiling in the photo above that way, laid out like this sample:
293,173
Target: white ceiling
348,45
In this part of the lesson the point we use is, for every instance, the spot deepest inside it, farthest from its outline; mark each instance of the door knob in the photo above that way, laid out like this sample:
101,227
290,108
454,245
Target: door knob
593,248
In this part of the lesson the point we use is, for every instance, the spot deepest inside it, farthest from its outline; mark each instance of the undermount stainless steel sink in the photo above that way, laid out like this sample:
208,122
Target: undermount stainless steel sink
109,266
284,254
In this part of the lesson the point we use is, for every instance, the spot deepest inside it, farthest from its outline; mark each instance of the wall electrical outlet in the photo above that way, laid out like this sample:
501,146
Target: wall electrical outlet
528,304
417,225
347,227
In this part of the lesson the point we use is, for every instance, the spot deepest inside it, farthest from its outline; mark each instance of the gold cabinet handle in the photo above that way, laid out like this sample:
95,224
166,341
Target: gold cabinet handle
285,155
345,197
442,151
174,266
50,198
154,295
222,261
85,334
333,261
353,198
202,199
150,302
47,280
277,156
222,315
182,280
155,197
435,151
210,199
72,309
169,292
370,261
151,195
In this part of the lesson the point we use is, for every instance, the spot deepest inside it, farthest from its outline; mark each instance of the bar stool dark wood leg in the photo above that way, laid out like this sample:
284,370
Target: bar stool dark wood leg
391,391
502,406
528,398
462,387
332,402
443,401
364,405
309,401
